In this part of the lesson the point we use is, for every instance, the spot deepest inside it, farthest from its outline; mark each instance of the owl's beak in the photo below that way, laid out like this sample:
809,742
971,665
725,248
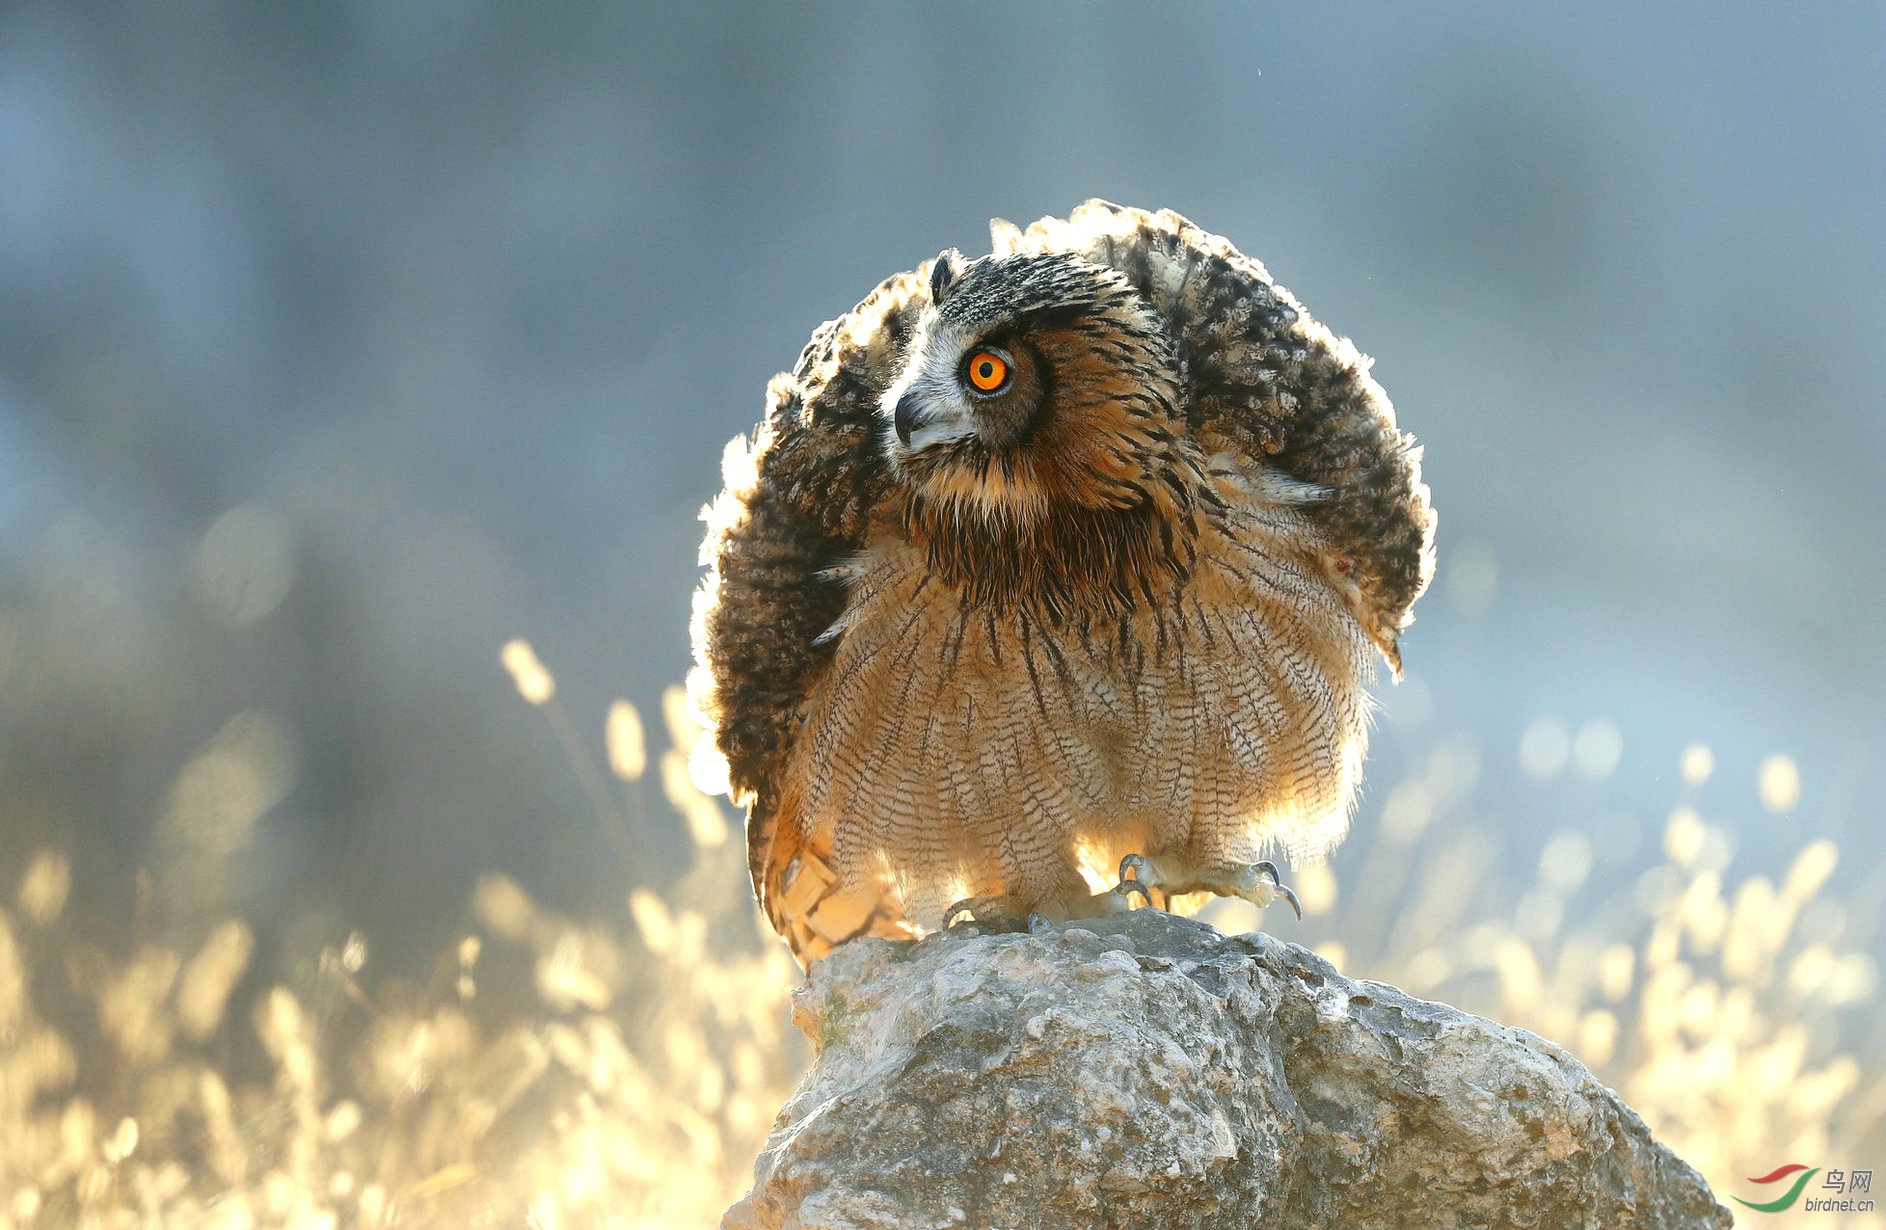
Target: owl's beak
923,412
908,418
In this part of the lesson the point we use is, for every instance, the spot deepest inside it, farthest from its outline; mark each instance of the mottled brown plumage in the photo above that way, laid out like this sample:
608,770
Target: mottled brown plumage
958,643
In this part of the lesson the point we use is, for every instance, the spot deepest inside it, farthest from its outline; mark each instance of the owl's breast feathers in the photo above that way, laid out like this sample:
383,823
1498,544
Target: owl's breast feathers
922,697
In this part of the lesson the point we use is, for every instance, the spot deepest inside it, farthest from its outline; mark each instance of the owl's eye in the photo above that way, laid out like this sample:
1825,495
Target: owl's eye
988,371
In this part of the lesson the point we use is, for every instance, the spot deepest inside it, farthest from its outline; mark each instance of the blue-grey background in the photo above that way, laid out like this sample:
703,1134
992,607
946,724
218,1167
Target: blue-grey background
460,302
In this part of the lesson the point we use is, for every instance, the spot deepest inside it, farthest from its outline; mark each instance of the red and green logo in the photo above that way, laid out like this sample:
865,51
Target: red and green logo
1787,1198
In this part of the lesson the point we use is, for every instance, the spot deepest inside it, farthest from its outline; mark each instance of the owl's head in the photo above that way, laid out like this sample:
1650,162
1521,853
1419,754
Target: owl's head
1043,419
1032,382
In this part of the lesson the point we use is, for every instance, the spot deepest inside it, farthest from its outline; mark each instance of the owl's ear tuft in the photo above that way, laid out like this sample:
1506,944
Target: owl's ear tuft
942,273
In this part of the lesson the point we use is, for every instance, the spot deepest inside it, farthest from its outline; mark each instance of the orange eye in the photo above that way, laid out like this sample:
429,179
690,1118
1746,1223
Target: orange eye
988,371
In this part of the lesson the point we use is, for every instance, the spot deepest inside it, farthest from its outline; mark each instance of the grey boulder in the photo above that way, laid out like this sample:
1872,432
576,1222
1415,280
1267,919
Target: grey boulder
1146,1071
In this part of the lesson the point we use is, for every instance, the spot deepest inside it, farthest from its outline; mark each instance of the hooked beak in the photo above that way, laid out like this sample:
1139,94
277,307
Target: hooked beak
908,417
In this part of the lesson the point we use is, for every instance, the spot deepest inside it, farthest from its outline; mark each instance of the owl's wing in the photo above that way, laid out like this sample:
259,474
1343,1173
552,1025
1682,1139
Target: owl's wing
798,501
1264,375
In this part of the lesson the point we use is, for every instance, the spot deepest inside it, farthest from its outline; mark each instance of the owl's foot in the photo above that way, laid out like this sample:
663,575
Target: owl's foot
1143,878
988,914
1258,883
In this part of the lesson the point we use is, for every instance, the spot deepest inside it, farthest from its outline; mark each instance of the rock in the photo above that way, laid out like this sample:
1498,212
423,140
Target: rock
1146,1071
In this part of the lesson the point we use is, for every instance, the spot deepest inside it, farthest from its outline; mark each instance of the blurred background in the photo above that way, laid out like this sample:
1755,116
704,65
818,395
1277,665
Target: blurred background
342,343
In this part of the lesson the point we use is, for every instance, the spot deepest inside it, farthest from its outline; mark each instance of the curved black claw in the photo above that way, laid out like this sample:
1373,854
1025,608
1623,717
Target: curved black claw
1139,865
965,911
1283,890
988,915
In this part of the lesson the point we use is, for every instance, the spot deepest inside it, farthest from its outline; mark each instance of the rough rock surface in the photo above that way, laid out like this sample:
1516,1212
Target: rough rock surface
1145,1071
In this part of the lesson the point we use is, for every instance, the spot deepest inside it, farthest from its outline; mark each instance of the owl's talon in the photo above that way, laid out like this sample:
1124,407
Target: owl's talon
1270,886
1143,878
963,914
1038,924
986,915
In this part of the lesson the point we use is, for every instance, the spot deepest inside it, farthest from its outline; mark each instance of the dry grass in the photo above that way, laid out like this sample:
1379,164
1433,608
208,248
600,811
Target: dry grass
165,1086
634,1093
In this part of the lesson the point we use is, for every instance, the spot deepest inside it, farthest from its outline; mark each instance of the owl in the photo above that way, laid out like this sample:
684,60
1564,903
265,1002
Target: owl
1070,558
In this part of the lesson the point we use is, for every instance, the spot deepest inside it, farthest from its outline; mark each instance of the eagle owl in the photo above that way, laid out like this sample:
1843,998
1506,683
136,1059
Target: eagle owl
1071,555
